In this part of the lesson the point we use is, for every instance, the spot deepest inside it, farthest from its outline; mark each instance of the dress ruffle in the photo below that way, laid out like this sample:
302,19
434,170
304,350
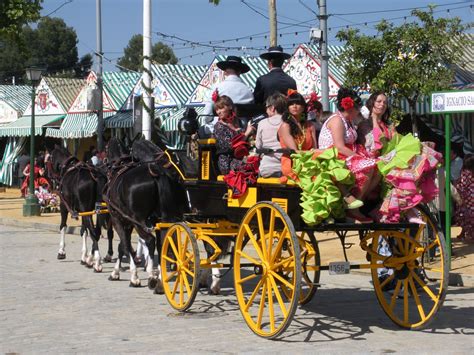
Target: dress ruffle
316,174
408,166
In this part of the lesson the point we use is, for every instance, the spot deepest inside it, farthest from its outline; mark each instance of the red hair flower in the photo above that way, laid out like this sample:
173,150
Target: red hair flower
347,103
291,92
215,95
313,102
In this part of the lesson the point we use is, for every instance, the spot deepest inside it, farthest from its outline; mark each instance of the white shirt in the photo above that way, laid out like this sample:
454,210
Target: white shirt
234,87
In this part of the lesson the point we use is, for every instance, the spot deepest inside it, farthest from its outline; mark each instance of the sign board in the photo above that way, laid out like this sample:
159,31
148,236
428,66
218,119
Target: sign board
452,101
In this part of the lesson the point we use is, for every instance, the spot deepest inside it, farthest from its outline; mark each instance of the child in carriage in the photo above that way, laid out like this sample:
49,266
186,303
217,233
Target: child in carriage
47,200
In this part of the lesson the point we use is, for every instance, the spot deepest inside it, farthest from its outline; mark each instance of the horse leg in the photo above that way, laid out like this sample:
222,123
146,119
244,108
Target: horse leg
95,236
215,288
85,257
141,246
154,280
62,229
110,239
122,232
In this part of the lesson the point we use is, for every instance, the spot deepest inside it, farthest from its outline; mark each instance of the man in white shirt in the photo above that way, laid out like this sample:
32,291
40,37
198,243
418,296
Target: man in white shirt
232,86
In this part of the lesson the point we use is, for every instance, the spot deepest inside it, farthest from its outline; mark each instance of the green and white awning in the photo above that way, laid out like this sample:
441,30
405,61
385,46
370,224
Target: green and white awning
22,126
77,125
124,119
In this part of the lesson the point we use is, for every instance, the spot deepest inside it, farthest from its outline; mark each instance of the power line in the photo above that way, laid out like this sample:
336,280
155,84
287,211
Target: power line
59,7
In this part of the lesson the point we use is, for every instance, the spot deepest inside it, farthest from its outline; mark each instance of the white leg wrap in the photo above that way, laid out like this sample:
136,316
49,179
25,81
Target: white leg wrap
115,275
62,241
149,265
84,246
134,279
216,280
140,245
97,261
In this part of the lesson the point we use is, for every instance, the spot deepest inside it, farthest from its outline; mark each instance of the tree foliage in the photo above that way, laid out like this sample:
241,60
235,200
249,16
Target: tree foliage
406,61
16,13
52,45
133,54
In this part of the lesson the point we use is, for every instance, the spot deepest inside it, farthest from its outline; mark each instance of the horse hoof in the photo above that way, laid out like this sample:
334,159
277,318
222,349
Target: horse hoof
152,282
98,269
214,292
113,278
83,262
108,258
203,285
159,290
89,266
132,284
61,256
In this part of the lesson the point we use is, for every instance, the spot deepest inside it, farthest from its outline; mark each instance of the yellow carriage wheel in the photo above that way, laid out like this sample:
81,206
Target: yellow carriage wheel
415,287
310,268
264,254
180,266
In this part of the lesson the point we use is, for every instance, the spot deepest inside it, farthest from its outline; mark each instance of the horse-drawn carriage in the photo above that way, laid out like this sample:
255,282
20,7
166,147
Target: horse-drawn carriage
274,254
276,258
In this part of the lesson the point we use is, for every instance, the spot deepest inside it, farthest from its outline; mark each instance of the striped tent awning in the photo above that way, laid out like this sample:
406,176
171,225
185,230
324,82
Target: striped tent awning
171,123
22,126
77,125
124,119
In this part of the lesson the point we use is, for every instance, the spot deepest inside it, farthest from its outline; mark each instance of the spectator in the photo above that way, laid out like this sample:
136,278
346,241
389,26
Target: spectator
23,161
88,154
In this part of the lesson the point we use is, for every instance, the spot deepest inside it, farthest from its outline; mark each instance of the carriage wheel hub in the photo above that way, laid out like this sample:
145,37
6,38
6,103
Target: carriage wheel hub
258,269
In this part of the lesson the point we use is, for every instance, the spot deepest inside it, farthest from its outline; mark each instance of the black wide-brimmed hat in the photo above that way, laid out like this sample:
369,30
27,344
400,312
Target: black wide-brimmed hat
275,52
233,62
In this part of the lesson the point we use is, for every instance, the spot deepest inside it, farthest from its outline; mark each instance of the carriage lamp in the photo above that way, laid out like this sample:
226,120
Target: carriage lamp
31,206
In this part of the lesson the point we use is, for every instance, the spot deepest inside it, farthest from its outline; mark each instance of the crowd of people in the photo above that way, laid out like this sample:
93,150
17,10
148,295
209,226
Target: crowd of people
374,173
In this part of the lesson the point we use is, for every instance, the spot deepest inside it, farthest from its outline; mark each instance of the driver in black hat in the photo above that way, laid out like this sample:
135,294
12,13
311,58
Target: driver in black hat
232,86
276,80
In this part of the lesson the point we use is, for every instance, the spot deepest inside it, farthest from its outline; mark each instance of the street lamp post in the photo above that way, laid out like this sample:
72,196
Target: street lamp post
31,206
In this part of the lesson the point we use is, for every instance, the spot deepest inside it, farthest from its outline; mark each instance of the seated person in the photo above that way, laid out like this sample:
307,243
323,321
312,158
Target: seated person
225,130
296,132
267,136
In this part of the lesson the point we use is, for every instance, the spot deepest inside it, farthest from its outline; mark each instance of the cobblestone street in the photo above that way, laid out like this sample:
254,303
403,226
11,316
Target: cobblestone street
51,306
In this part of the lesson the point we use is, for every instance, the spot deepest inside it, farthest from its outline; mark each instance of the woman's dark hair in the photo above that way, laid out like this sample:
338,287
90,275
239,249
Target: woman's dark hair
371,102
224,101
346,92
295,98
468,162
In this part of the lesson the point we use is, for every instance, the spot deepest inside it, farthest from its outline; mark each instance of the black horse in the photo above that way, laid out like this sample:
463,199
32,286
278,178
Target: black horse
141,193
80,189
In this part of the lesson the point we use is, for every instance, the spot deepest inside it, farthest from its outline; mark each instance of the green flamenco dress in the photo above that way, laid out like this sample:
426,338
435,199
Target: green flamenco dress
317,172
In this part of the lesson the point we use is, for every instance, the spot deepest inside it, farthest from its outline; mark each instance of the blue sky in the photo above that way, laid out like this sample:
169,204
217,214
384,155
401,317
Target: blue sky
200,22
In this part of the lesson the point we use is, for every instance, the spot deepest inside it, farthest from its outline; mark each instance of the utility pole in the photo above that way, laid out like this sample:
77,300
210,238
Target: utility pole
100,111
324,57
272,15
146,80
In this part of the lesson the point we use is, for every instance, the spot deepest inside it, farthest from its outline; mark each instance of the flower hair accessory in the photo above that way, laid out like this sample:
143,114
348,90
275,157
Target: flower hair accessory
313,102
347,103
291,92
215,95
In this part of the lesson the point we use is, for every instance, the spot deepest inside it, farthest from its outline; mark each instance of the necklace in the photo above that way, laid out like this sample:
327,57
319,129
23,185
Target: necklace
299,140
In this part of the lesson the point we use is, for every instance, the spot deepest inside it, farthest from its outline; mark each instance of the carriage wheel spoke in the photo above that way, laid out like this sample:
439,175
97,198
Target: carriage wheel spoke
171,275
270,306
283,262
186,283
178,241
283,281
278,296
262,306
185,247
248,257
167,258
417,299
405,301
189,272
425,287
245,279
387,280
261,231
279,244
181,291
271,231
173,246
175,286
254,242
253,295
395,294
434,243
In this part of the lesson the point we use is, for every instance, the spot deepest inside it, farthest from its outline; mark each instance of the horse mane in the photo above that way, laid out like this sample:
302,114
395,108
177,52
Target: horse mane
145,151
116,150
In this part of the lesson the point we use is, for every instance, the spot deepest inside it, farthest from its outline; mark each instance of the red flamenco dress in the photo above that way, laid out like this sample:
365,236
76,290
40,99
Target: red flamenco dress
39,180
